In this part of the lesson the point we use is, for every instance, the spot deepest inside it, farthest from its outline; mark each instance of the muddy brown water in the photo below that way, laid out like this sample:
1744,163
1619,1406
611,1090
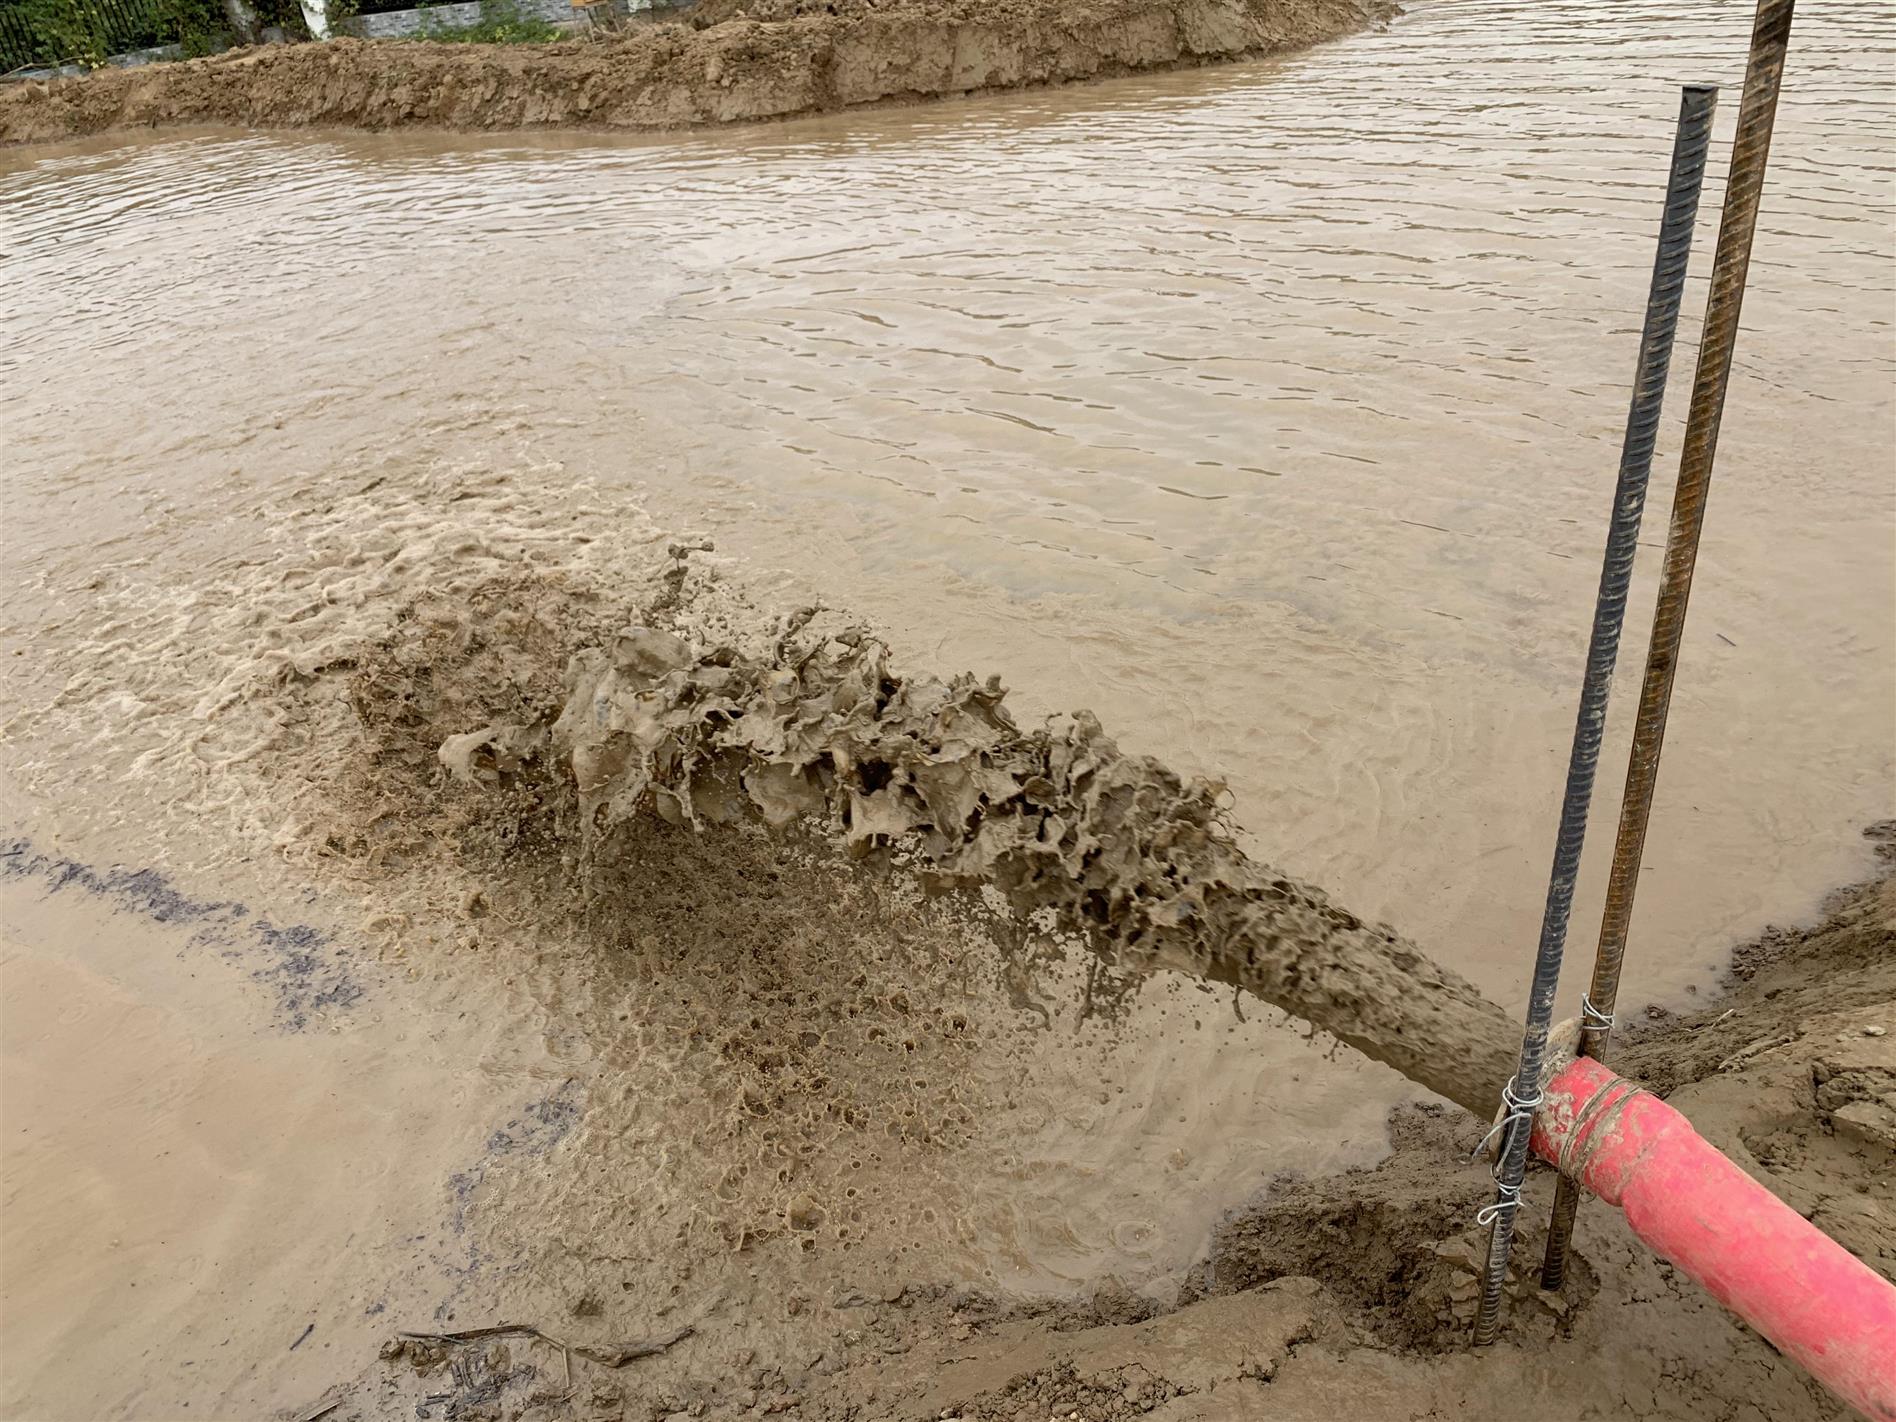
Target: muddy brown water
1269,411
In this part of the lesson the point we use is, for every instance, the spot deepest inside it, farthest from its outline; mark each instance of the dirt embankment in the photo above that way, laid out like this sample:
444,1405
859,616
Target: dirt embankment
769,59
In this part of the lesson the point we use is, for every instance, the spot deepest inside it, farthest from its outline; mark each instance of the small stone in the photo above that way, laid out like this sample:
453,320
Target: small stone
1875,1031
1871,1122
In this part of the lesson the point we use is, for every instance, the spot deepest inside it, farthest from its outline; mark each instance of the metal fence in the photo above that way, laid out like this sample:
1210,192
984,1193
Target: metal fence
28,35
17,42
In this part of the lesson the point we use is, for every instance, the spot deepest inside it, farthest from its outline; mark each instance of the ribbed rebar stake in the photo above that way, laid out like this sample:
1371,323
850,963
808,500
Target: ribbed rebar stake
1751,148
1696,105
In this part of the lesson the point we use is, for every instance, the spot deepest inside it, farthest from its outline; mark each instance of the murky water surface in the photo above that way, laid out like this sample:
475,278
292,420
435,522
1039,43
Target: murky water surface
1270,411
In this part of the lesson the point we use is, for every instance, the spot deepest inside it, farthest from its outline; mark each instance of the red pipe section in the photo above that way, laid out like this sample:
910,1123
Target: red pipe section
1756,1255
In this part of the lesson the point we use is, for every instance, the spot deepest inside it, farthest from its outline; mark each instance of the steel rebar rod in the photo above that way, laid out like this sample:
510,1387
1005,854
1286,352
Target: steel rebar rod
1751,148
1697,102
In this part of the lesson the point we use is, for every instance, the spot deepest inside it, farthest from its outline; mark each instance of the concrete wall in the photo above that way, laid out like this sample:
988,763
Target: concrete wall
131,60
398,24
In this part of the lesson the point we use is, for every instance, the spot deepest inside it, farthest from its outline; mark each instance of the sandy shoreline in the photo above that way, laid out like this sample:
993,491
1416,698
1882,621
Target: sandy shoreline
723,68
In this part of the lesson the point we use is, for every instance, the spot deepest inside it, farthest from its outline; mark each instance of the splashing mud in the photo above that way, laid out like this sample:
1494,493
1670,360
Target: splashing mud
475,645
748,845
752,1072
1141,860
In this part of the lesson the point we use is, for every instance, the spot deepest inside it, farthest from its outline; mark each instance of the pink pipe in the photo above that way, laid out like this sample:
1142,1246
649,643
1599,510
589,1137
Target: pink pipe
1755,1254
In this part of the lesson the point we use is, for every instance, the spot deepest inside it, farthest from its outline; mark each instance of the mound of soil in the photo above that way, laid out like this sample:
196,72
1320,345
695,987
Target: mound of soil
767,60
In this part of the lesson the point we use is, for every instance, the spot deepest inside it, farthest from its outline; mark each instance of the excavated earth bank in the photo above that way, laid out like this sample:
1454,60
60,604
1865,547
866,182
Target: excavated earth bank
769,60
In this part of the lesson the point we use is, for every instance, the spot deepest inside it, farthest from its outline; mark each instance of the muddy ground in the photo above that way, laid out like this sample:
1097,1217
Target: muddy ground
770,60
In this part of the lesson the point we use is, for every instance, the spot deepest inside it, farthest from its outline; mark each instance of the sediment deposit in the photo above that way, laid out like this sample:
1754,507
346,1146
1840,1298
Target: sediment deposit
725,68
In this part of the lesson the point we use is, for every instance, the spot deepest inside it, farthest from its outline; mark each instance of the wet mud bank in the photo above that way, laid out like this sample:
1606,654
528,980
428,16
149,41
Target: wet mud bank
734,63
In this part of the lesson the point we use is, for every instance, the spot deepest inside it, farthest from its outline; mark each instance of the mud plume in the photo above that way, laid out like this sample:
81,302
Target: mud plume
726,67
1118,847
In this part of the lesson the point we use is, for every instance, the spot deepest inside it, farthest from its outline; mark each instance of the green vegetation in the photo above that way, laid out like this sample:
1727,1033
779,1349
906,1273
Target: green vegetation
48,31
500,23
89,32
196,26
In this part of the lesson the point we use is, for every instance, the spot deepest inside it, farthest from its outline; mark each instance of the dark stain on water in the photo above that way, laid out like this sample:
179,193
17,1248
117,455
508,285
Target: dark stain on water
533,1131
304,969
539,1126
308,974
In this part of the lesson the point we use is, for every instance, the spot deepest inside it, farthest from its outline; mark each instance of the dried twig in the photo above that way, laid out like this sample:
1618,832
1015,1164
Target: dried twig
605,1357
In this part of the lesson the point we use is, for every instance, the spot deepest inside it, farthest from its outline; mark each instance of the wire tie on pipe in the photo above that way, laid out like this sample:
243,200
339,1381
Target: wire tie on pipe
1576,1157
1581,1123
